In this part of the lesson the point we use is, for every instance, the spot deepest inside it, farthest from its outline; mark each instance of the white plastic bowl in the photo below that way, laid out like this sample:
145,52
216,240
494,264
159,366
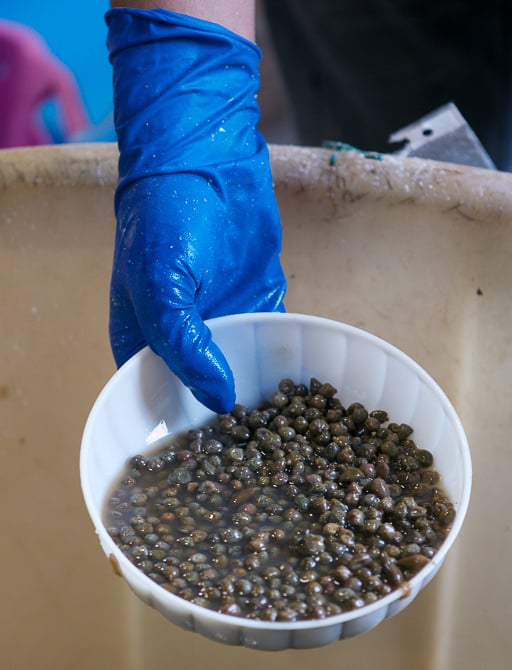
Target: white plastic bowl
144,400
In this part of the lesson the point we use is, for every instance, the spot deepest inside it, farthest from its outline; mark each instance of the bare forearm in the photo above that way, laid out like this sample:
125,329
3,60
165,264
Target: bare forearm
236,15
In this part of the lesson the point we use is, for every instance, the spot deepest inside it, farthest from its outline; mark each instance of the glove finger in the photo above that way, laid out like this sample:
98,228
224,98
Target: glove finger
126,337
185,343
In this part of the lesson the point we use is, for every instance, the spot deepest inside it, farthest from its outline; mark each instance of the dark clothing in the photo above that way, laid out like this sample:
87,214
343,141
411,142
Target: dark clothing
357,71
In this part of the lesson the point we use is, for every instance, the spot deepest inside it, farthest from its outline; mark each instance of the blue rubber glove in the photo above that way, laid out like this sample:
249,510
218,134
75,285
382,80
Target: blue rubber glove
198,231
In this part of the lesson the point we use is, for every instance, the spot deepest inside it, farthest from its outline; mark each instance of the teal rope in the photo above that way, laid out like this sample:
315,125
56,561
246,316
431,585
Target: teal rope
341,146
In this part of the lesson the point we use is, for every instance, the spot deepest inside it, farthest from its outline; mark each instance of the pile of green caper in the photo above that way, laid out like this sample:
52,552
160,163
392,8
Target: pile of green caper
300,509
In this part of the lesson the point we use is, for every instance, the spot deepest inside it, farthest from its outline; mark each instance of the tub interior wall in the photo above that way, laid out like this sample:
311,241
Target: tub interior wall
424,272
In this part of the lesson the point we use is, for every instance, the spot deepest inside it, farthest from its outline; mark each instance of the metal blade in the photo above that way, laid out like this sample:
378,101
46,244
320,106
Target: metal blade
443,135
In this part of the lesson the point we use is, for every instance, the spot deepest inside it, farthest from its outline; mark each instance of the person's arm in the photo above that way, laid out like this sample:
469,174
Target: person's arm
198,230
235,15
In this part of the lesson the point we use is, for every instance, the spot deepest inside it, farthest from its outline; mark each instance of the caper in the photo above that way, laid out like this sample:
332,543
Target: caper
286,386
358,412
279,399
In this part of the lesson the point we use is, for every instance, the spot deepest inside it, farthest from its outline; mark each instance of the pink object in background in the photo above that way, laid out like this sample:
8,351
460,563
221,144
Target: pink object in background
30,75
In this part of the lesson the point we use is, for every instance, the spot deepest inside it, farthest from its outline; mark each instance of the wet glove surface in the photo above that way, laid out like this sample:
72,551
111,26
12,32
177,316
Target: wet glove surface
198,231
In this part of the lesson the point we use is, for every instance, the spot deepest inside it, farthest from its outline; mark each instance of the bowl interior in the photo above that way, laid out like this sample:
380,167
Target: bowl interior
144,401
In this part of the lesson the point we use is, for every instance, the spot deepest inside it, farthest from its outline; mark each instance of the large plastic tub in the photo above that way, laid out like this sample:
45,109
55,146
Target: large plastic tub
415,252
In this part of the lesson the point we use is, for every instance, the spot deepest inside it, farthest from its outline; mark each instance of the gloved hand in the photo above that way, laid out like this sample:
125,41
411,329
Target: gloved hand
198,231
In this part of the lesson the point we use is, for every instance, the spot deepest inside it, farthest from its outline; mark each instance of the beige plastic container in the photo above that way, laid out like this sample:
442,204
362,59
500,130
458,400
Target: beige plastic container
413,251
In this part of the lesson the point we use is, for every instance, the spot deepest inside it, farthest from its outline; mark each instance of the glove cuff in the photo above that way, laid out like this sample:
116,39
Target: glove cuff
184,92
